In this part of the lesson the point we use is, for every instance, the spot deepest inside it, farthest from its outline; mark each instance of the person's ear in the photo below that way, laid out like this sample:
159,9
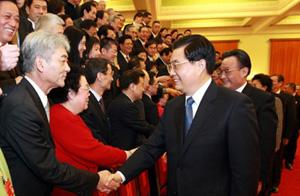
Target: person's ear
40,64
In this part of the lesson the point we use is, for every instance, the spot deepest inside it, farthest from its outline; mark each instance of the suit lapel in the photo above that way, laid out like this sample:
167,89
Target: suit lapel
36,99
202,116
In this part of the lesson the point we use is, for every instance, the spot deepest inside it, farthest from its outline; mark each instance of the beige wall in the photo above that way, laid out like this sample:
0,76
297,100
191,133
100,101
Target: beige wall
258,47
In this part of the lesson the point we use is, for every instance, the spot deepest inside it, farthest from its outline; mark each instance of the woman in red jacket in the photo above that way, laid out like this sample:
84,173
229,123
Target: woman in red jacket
74,142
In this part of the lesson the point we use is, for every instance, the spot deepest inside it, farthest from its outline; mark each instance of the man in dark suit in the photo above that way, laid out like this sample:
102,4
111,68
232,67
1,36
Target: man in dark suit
291,147
235,67
139,44
99,75
24,123
163,62
126,44
126,121
88,11
215,154
72,8
150,108
289,123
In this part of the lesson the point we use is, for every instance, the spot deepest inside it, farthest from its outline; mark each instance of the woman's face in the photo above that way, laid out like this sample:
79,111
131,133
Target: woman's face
81,98
81,46
95,51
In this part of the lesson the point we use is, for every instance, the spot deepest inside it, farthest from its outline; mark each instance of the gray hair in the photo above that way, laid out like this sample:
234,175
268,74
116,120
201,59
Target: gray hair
48,22
43,44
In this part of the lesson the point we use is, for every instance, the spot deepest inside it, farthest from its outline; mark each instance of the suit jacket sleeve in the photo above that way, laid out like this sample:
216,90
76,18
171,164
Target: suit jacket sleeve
26,132
243,149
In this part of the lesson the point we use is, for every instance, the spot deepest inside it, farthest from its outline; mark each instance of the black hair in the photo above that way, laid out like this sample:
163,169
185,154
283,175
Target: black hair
242,57
87,24
87,6
197,47
130,77
93,66
264,80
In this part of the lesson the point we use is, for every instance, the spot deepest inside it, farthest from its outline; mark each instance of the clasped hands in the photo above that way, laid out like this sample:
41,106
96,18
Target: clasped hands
108,181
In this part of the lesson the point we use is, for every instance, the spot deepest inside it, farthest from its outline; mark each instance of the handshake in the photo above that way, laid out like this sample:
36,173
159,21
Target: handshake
108,181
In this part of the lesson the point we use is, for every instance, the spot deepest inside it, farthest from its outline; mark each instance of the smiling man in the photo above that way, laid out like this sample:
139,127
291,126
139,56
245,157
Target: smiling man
209,134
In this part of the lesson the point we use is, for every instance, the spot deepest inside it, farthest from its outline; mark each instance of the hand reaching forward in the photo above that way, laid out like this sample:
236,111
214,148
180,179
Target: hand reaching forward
105,183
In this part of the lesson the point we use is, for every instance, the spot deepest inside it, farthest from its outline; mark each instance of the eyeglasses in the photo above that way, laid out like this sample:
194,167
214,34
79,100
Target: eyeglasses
226,71
175,65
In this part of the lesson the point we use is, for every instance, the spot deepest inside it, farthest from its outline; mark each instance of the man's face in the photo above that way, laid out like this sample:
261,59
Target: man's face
133,33
91,15
276,85
126,47
167,58
92,31
56,68
37,9
153,87
110,54
9,21
151,50
155,28
231,73
184,73
143,34
147,19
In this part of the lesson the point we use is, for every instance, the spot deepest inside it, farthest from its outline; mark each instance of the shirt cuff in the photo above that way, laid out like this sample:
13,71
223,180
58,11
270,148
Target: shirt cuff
122,176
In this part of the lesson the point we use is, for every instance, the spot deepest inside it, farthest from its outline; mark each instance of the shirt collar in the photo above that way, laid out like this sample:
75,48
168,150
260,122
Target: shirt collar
43,97
98,97
241,88
198,95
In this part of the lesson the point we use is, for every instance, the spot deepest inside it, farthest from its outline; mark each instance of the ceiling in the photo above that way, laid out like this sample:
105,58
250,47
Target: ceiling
218,17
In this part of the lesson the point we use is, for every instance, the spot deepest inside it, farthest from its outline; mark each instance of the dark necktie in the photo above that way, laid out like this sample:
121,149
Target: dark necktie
188,114
101,103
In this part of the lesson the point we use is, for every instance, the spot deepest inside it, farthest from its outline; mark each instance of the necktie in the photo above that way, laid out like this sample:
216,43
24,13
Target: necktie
188,114
127,58
101,103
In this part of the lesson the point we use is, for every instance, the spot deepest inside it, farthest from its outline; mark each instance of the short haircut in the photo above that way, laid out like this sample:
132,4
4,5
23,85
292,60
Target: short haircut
107,43
150,42
103,30
123,38
146,14
12,1
55,6
138,14
143,26
174,31
197,47
167,35
187,30
87,6
135,62
48,21
72,82
165,51
163,29
264,80
155,21
93,66
29,2
100,14
242,57
130,77
87,24
43,44
292,86
127,28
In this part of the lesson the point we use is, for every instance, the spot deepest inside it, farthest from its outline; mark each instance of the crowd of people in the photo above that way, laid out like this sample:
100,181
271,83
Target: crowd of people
88,104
